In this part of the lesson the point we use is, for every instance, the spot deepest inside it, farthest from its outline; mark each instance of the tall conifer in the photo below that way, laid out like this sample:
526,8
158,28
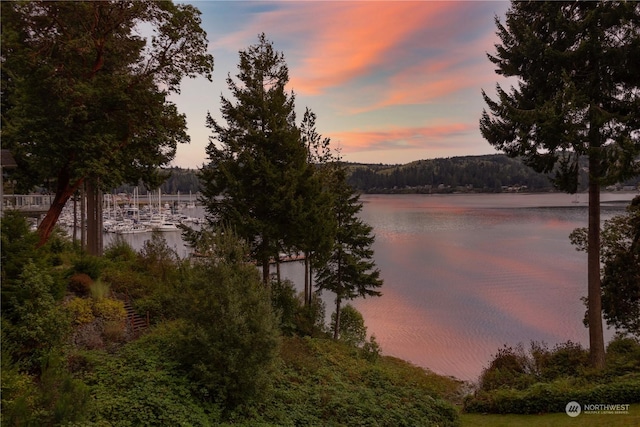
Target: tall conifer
257,160
577,94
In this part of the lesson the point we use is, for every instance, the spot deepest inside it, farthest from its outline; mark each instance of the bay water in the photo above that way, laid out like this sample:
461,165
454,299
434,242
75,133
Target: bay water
465,274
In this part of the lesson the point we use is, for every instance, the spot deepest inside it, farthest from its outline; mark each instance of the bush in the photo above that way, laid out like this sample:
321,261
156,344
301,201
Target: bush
553,397
99,290
567,359
508,369
285,305
110,310
142,386
81,310
89,265
119,251
545,380
55,398
623,355
352,328
80,284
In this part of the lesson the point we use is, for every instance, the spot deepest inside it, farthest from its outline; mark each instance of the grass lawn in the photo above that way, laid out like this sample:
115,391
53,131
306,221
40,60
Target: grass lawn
554,420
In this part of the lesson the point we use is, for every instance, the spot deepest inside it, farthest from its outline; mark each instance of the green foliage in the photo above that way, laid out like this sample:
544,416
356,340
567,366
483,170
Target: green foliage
110,310
228,346
81,310
349,272
326,383
352,329
553,396
122,278
257,161
100,290
18,250
623,355
105,114
545,380
310,319
141,385
36,324
549,118
88,264
286,305
371,350
159,260
120,251
620,272
55,398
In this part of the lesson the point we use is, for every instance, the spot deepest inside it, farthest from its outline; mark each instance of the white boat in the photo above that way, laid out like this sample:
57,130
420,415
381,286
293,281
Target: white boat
133,229
160,223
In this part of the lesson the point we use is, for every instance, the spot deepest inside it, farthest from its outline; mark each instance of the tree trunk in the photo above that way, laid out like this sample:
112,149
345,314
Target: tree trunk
75,220
83,217
306,279
336,326
265,270
594,296
63,192
94,219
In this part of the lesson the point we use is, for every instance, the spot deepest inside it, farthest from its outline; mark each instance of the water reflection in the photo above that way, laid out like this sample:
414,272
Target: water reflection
466,274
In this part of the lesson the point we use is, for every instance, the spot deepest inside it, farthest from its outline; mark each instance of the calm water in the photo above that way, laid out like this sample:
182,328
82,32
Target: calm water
465,274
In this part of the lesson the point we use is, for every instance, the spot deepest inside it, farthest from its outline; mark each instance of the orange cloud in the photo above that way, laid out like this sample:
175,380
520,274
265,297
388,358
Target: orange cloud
356,38
400,138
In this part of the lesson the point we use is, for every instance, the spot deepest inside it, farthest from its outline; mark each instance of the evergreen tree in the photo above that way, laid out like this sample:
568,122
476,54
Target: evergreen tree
350,270
85,98
318,226
620,258
578,70
257,160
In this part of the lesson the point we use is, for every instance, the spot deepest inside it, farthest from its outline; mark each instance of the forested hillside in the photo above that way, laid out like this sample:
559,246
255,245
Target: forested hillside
490,173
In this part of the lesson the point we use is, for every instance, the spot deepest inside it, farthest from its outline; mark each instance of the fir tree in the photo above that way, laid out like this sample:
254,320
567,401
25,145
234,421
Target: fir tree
578,70
350,271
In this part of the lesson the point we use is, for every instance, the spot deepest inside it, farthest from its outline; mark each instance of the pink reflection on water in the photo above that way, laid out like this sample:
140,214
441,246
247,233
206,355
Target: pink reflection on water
460,283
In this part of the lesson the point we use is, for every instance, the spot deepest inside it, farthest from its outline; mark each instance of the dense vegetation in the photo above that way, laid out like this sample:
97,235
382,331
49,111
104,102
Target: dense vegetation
220,347
543,380
491,173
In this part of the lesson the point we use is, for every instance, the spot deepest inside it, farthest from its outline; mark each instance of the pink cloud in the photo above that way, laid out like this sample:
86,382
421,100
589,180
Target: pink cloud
440,76
400,138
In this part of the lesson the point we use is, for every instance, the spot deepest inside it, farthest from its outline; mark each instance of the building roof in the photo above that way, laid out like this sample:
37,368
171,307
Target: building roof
7,160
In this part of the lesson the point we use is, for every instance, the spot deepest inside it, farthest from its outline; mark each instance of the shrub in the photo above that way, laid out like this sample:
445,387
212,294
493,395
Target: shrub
352,328
567,359
81,310
133,283
141,386
371,349
80,284
99,290
623,355
285,305
120,251
553,397
110,310
89,265
508,369
113,331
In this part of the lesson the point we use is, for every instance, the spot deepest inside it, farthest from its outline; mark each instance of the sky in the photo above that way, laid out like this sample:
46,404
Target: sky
390,81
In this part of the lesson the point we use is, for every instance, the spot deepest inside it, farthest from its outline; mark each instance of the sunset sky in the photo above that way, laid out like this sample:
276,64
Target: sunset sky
389,81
